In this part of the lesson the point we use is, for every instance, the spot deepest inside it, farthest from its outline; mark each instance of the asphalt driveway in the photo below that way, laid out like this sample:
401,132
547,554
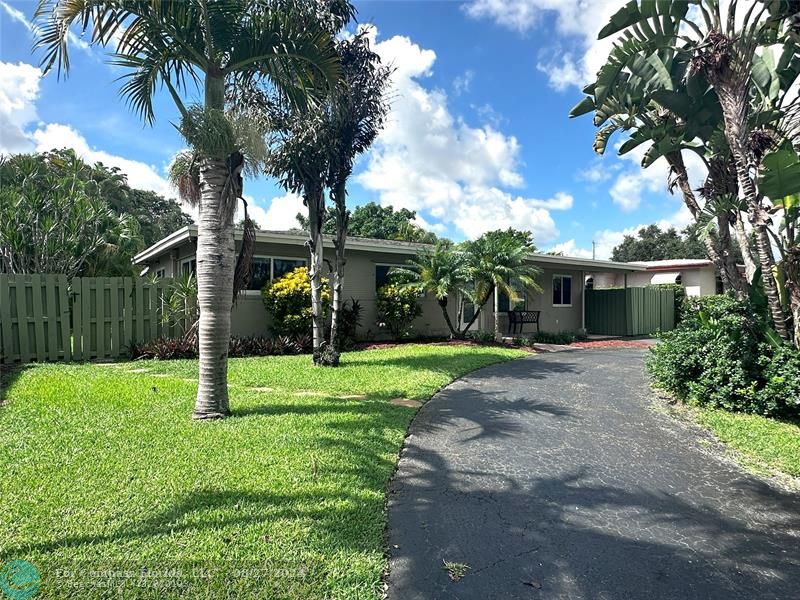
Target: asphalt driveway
552,477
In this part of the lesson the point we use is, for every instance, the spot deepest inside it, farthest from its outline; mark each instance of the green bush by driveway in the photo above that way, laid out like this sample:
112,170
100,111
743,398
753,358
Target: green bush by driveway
105,474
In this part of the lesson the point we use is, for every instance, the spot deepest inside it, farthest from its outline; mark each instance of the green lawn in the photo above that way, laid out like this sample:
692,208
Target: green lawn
104,474
761,441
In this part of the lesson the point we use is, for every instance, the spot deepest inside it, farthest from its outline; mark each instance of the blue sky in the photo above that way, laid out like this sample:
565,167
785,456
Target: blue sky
478,135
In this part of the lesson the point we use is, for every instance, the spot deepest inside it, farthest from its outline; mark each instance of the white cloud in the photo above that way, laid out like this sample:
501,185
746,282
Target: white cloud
19,92
628,187
462,83
562,72
570,248
281,213
54,136
430,161
19,89
19,17
599,171
579,20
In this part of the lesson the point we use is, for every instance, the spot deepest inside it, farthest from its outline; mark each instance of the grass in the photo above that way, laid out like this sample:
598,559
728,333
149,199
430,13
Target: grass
105,475
762,441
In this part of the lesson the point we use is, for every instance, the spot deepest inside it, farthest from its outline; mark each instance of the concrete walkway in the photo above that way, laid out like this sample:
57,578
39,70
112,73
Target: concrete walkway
551,477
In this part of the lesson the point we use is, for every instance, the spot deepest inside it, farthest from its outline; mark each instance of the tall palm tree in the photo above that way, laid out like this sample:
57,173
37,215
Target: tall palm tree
495,261
209,44
358,111
442,272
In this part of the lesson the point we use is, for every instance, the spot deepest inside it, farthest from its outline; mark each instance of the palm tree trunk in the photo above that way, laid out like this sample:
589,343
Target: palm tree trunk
744,245
215,266
792,269
727,269
478,310
496,314
735,280
337,282
734,102
315,200
443,305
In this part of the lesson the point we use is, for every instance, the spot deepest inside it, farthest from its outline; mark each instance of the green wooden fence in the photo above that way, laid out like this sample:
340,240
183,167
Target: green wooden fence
630,311
47,318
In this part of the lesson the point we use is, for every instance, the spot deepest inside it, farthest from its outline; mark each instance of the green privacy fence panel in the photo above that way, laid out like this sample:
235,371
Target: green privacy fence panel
34,318
630,311
46,318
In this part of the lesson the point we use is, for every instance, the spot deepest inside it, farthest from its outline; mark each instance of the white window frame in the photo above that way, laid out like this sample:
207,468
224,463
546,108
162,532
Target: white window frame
562,277
188,260
161,273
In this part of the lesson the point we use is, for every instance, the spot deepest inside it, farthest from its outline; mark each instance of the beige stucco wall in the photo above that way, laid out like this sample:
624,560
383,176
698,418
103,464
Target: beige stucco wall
552,318
249,317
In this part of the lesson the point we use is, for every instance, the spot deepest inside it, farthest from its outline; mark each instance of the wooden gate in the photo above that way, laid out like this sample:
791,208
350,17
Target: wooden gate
630,311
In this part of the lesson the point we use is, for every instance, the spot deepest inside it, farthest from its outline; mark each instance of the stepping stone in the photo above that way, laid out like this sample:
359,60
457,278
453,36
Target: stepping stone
309,393
406,402
353,397
138,370
261,389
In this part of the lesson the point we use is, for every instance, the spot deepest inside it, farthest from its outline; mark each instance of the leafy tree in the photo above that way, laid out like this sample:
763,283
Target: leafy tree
157,216
372,220
652,243
495,260
225,48
441,271
54,217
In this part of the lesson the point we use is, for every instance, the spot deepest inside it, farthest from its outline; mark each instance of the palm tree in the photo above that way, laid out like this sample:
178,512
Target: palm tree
210,44
442,272
358,111
496,260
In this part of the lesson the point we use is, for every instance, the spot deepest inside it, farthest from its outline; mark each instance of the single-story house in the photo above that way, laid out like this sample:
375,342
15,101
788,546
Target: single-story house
561,301
698,276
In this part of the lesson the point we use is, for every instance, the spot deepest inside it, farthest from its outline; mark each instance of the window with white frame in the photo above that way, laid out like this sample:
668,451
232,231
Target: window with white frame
161,273
562,290
189,267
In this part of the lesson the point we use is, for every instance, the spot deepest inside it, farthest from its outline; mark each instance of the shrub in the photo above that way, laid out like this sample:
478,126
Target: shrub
176,348
165,349
349,322
398,306
288,300
483,337
548,337
719,356
781,372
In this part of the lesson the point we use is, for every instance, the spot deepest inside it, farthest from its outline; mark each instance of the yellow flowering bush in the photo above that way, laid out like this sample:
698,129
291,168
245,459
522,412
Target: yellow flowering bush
398,306
288,300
